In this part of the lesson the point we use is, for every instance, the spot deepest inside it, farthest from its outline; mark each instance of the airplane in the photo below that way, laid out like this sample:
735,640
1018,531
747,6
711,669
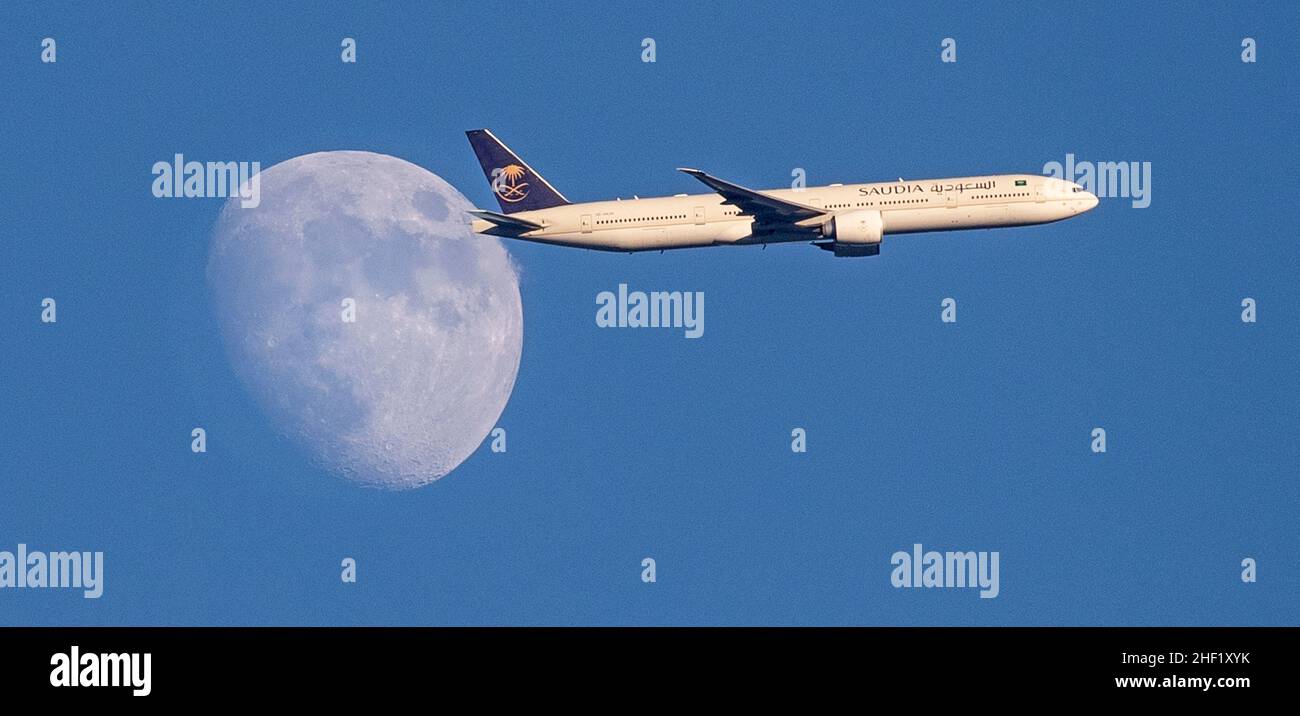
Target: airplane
845,219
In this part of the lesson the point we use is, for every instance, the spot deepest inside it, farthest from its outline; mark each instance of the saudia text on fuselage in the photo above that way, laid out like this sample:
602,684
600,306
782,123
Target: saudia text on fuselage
937,188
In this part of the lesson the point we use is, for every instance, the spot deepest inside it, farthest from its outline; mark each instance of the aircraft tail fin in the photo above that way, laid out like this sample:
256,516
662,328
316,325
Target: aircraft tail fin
516,185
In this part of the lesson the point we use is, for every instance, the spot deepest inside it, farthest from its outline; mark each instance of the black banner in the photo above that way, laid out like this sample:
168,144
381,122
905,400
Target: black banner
197,665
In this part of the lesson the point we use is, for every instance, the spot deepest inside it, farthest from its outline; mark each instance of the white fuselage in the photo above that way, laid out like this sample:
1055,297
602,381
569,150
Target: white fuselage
911,206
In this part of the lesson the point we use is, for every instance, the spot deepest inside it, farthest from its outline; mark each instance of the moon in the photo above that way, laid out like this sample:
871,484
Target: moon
368,321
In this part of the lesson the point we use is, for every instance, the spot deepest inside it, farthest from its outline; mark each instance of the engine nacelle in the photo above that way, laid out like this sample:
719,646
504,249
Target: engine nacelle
858,228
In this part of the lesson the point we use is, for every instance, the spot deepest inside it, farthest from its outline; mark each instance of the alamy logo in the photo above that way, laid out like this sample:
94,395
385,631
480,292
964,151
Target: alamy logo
657,309
1105,179
90,669
179,179
55,570
946,569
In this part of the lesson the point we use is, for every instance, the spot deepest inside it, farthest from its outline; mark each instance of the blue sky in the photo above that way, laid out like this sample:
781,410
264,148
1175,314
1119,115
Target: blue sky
630,444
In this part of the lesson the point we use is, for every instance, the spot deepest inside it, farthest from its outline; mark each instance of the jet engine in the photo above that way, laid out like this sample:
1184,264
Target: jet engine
854,233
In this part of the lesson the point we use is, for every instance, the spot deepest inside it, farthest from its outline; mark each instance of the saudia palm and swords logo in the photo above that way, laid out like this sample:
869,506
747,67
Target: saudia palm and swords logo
509,184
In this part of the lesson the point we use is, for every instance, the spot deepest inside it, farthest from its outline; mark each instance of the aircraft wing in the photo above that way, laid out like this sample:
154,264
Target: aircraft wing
768,211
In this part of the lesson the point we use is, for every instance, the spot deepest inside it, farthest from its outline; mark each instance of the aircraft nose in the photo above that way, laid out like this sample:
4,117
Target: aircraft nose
1091,202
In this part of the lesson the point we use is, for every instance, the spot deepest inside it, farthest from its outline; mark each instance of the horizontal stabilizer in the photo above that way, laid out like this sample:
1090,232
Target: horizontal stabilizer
512,222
